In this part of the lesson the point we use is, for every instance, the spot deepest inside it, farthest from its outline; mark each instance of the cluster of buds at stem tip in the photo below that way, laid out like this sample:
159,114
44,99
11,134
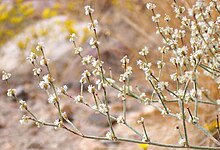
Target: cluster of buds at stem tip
5,75
39,46
88,10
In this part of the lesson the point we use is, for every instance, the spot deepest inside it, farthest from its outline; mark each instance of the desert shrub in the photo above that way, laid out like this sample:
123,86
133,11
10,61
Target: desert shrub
194,61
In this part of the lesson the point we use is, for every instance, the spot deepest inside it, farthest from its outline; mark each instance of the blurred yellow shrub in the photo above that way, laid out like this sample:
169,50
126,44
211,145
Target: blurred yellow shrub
13,17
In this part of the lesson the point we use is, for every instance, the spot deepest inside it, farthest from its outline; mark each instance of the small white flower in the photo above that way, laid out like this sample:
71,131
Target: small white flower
95,107
182,141
109,135
11,92
44,85
39,46
88,10
141,120
44,61
93,43
87,59
37,71
97,63
164,112
78,50
162,85
156,18
48,78
193,119
23,105
91,89
144,51
24,119
103,108
62,90
174,76
125,61
150,6
120,120
143,95
5,75
57,123
218,102
32,57
179,116
85,75
94,25
53,98
160,64
190,12
38,124
73,37
79,99
167,17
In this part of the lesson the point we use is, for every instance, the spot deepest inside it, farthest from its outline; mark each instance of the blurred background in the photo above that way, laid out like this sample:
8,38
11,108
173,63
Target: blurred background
125,27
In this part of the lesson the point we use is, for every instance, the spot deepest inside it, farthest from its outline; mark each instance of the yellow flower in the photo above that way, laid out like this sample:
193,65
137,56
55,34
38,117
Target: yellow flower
143,146
48,13
211,126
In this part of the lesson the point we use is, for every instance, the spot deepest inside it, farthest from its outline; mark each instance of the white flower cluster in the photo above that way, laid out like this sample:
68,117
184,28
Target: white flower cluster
88,10
57,123
53,98
32,57
79,99
23,105
120,120
109,135
24,119
5,75
103,108
39,46
141,120
150,6
11,92
73,37
144,51
94,43
62,90
128,69
45,83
